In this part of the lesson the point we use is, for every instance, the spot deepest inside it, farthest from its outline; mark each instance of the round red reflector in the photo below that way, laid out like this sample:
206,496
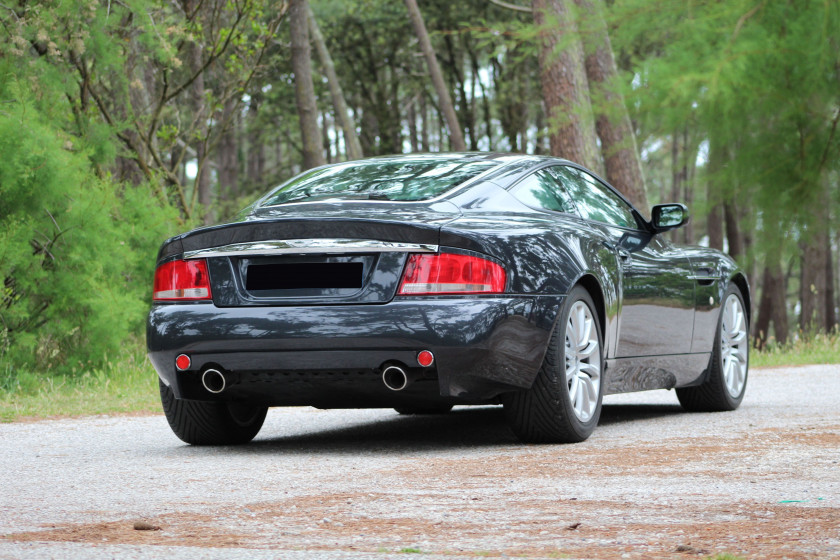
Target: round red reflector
425,358
182,362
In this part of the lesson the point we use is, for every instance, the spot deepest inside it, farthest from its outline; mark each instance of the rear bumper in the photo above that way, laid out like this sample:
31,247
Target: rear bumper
332,356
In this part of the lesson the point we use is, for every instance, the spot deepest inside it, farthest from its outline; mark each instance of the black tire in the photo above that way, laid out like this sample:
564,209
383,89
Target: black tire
211,423
545,413
442,408
712,395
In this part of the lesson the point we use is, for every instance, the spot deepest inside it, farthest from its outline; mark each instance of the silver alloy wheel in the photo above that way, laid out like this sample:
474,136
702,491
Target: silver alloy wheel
733,346
583,361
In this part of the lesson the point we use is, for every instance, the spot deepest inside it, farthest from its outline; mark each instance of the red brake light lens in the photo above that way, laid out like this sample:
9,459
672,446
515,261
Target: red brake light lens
448,273
182,280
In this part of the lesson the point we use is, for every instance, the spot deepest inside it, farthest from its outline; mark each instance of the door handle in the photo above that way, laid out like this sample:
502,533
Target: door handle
706,276
623,253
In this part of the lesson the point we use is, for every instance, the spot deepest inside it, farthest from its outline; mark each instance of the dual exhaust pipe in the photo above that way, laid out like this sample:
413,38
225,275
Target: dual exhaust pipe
394,377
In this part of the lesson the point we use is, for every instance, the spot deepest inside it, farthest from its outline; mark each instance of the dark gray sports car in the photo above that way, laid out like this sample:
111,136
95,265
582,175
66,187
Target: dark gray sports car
423,281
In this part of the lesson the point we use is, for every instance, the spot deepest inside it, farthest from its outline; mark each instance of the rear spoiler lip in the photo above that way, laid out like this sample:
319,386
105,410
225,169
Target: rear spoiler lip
310,246
255,232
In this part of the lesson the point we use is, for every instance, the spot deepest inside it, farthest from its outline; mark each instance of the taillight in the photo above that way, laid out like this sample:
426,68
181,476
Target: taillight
182,280
449,273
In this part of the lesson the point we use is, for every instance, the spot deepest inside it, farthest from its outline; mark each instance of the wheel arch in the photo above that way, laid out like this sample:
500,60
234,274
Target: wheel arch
743,286
591,284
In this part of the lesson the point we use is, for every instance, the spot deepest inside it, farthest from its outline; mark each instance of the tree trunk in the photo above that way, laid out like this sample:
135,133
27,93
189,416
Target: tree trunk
688,200
424,127
227,155
196,92
564,85
445,101
830,315
733,230
612,122
714,226
345,120
325,137
412,126
312,147
817,281
772,307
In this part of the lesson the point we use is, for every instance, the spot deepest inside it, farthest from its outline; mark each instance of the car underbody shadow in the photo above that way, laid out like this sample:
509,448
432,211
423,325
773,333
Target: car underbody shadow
466,427
459,428
619,413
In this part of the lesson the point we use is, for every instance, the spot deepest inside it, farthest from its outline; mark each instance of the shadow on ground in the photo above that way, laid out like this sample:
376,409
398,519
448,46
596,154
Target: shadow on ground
472,428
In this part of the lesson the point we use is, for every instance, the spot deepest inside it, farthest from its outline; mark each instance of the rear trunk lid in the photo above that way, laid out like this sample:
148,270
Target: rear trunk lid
312,253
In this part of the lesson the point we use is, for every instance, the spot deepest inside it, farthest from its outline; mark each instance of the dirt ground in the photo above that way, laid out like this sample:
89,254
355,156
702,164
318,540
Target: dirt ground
653,482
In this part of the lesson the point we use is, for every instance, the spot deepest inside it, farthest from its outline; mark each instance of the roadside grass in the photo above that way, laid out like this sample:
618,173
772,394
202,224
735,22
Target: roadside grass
818,349
128,384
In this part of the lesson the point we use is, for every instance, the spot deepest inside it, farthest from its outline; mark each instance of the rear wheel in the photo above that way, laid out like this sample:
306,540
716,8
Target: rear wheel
564,403
211,423
726,382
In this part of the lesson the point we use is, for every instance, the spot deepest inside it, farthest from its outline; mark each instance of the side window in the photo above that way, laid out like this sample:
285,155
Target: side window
541,190
594,200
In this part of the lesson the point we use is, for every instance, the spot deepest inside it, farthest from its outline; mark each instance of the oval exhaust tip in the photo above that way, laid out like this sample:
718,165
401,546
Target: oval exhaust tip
213,380
395,378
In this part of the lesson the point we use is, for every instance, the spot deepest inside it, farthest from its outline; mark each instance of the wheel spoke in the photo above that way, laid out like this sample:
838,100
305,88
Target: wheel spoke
587,333
733,345
588,387
573,386
591,370
583,361
737,337
588,350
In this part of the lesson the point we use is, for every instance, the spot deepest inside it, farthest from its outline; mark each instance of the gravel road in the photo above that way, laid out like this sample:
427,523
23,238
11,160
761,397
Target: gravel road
652,482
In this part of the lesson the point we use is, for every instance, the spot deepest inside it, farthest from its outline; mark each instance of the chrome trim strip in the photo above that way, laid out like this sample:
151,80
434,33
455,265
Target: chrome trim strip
309,246
704,277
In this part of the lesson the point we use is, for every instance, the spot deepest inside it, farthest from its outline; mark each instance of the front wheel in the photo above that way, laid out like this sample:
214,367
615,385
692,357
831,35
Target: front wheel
564,403
211,423
726,381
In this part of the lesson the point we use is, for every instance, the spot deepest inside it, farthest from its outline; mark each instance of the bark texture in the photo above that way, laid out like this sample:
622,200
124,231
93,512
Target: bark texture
345,120
714,225
817,285
618,141
733,230
772,306
456,137
313,149
564,84
228,158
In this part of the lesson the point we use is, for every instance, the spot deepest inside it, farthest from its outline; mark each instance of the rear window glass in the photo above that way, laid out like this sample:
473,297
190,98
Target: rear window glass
403,179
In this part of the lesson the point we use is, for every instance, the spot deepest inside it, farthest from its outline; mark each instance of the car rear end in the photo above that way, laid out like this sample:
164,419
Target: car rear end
311,316
334,290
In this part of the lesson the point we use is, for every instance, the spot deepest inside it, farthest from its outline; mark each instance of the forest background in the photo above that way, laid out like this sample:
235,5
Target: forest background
123,122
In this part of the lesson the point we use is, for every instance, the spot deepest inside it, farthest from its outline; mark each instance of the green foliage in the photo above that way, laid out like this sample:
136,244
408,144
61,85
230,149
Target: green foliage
77,250
758,81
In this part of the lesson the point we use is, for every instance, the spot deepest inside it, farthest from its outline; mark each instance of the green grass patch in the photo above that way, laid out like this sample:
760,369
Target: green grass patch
125,385
817,349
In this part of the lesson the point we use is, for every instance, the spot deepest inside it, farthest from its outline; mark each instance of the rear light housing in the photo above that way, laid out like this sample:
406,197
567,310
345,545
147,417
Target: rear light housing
449,273
182,280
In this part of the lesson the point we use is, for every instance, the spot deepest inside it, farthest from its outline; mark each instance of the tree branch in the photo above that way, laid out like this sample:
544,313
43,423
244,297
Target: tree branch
502,4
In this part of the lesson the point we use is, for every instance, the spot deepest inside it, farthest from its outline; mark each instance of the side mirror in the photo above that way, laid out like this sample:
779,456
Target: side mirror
668,216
